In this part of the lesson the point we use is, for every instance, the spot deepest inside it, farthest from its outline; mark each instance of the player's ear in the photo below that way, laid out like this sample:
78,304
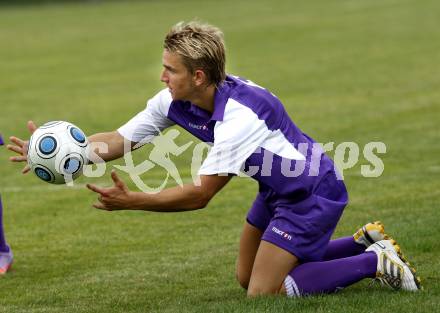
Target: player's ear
199,77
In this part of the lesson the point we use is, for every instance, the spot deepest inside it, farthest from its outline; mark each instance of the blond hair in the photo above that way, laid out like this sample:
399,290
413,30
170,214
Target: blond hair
201,46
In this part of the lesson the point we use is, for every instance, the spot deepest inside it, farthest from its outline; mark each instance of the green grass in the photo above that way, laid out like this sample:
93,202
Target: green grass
346,70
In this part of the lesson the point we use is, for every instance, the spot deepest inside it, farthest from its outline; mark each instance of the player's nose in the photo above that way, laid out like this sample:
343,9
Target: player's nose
163,77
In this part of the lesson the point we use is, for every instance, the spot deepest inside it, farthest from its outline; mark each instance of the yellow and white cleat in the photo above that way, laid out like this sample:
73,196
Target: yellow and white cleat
370,233
391,269
373,232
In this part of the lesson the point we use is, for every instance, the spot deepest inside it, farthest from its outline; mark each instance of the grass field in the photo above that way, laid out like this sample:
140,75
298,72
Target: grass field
356,71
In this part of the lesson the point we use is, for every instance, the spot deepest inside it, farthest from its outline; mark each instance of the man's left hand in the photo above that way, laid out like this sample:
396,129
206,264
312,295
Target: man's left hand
117,197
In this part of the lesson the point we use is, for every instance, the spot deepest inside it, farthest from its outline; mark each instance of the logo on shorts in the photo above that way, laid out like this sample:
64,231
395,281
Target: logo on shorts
202,127
281,233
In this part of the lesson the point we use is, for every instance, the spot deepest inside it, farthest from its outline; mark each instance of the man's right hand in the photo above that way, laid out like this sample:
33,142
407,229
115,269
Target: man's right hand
20,147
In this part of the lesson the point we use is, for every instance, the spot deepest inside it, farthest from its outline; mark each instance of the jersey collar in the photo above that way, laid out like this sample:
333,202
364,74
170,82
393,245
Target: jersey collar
221,96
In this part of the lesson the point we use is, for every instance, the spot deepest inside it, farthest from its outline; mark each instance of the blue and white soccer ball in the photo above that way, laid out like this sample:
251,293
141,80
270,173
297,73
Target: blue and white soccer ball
57,152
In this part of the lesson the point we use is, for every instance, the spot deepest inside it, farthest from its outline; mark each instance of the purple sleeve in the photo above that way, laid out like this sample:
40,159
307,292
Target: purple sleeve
1,140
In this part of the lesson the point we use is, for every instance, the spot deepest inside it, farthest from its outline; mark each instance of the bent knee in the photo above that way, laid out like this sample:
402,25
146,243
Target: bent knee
255,291
264,288
243,279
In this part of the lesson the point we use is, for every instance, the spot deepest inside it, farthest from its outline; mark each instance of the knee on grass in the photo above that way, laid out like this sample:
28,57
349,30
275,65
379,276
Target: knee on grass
256,290
243,279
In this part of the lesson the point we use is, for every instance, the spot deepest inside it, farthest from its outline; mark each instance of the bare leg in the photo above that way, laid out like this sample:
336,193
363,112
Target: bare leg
272,265
249,243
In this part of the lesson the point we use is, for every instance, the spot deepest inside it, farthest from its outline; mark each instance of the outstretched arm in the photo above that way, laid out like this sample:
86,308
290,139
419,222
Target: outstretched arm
107,146
175,199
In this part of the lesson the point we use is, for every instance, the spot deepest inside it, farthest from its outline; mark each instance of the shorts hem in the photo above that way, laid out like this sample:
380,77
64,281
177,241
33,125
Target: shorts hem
255,225
284,245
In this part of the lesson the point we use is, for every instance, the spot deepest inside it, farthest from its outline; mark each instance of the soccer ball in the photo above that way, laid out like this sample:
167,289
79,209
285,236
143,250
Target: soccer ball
57,152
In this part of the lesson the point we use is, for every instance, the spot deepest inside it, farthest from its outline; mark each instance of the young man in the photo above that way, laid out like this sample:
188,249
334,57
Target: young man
6,256
285,246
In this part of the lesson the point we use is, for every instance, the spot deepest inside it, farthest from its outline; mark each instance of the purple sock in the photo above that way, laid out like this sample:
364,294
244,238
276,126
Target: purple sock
3,246
342,248
330,276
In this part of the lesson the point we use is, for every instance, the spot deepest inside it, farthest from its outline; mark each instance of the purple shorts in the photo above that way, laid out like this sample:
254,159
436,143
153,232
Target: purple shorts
303,228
